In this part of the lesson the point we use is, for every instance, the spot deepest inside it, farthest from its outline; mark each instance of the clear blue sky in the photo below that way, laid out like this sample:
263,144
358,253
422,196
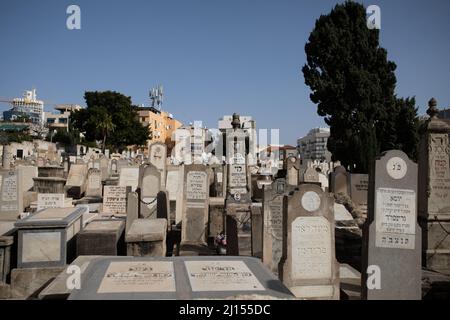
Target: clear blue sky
214,57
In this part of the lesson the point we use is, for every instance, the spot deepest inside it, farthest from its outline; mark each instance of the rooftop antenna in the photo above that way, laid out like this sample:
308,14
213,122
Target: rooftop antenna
157,97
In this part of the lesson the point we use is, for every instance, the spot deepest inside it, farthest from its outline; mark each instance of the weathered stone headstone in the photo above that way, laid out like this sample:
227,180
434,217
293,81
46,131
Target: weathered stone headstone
308,266
11,194
257,229
129,177
158,157
132,209
339,181
104,167
310,175
114,200
292,171
196,201
172,187
273,224
76,180
324,181
94,183
434,192
149,185
359,184
50,200
391,257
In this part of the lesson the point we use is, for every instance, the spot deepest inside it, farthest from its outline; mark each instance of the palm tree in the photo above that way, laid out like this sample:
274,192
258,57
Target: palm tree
106,126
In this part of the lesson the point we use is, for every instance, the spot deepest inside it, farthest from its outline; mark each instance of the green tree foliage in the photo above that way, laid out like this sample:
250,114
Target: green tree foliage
353,84
107,112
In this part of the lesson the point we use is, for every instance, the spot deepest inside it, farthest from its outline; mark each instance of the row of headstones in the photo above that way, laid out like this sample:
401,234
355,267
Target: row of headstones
299,245
339,181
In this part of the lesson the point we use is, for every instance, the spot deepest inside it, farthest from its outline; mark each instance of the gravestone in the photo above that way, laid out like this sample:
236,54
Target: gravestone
391,251
158,158
102,237
339,181
359,184
114,200
179,205
173,187
308,266
149,185
94,183
147,238
50,200
311,175
132,209
196,278
273,223
257,229
47,238
195,214
28,173
216,217
11,195
292,171
104,167
114,167
434,191
76,180
129,177
324,181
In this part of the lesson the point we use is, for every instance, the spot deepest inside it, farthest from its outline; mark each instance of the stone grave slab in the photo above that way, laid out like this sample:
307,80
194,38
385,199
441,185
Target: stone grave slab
47,238
103,237
128,278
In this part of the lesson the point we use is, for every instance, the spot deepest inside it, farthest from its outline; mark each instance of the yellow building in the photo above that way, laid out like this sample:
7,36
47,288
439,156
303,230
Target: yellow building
162,125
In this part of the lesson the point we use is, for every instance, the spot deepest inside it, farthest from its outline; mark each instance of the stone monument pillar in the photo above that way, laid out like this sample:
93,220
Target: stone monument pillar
434,191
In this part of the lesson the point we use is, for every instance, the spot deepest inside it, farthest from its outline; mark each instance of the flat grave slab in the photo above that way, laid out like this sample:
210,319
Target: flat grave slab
206,277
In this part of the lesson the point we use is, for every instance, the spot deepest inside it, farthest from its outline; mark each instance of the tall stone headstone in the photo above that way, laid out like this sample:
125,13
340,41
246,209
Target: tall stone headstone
129,177
292,171
308,266
339,181
149,185
324,181
11,194
104,167
195,214
273,223
158,158
76,180
391,252
311,176
94,183
173,182
359,185
434,191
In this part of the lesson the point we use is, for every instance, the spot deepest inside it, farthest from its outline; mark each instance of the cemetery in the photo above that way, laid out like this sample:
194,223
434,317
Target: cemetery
119,200
142,227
